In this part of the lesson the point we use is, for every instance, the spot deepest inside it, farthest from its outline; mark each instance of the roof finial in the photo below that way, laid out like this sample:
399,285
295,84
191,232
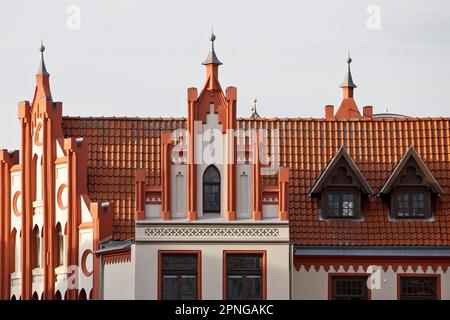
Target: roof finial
42,70
255,114
212,58
348,80
349,59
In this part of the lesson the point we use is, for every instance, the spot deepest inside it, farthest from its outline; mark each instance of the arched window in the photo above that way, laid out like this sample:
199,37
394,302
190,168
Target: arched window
34,170
37,247
12,251
35,296
211,190
58,295
59,245
82,295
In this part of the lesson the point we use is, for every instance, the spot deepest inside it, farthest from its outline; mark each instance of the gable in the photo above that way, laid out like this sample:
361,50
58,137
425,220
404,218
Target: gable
340,172
411,171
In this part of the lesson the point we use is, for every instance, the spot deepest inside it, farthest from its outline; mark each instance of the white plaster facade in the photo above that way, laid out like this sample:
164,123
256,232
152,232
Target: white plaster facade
314,285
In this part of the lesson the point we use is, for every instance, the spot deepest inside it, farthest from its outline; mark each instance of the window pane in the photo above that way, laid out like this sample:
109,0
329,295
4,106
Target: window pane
348,205
170,287
333,204
183,262
211,199
211,190
211,175
179,276
418,288
418,204
403,204
60,250
349,288
244,276
244,262
234,288
254,288
188,287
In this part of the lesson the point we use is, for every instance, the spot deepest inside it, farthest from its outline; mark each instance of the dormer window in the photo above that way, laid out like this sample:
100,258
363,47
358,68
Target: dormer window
340,189
411,188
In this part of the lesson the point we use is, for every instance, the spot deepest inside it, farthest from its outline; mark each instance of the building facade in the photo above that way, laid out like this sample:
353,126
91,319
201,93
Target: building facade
349,206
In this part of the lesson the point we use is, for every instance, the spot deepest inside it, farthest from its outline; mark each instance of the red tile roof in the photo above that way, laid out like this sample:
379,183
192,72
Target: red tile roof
119,145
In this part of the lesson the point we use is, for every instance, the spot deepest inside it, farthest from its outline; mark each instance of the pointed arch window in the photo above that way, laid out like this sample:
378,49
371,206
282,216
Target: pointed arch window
211,190
59,245
36,247
12,251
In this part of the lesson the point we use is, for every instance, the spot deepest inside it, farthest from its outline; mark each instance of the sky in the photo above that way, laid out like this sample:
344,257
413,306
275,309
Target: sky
137,58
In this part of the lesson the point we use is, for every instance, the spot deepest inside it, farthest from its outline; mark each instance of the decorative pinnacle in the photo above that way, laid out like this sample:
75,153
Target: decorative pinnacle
212,37
349,59
42,70
212,58
348,80
255,114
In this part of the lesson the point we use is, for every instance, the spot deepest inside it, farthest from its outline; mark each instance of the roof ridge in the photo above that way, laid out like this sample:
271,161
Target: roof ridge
409,119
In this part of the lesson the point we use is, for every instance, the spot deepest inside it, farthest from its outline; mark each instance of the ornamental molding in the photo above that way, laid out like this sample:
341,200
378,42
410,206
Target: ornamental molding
212,232
205,233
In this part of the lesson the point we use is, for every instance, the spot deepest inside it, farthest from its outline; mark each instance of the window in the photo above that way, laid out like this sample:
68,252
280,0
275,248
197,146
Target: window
244,276
341,189
340,204
36,248
59,246
12,251
179,276
211,190
349,288
411,204
418,288
411,189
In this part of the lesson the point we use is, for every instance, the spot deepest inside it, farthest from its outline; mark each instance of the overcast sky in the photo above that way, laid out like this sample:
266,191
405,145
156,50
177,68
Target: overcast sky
137,58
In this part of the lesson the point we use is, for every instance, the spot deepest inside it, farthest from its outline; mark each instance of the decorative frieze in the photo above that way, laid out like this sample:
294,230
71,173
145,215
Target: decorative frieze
208,232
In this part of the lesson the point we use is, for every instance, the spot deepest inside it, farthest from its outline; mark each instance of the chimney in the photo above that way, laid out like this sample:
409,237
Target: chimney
367,112
329,112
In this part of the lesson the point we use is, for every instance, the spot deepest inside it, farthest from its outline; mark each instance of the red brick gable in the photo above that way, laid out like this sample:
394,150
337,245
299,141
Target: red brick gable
119,145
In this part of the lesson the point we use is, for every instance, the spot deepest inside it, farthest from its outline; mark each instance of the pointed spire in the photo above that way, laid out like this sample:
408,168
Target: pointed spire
255,114
212,58
42,70
348,108
348,80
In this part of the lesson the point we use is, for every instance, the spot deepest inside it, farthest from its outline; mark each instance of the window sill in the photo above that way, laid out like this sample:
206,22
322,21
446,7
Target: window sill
411,219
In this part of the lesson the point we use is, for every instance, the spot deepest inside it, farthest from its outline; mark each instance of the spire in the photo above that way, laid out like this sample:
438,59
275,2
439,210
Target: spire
348,108
348,80
212,58
42,70
255,114
212,64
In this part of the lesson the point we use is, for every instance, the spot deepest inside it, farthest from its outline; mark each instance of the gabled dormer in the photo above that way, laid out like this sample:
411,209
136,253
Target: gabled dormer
411,189
341,188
